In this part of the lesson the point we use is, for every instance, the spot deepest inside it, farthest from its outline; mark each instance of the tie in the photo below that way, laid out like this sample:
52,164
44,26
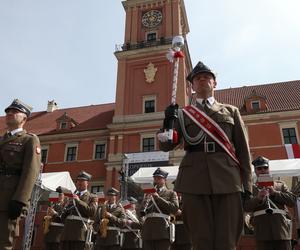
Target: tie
205,105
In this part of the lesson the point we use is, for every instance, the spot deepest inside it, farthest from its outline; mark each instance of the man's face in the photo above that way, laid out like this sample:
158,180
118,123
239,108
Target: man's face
81,185
111,199
159,181
204,83
261,170
15,118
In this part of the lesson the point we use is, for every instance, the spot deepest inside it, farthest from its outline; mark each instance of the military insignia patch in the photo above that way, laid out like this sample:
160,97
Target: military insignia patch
38,150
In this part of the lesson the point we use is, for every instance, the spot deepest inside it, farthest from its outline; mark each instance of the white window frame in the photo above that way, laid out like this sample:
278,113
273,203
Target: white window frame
97,183
145,136
149,98
61,123
69,145
45,147
290,124
256,101
105,149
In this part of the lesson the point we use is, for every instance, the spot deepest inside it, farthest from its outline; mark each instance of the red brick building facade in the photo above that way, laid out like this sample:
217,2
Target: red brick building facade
95,138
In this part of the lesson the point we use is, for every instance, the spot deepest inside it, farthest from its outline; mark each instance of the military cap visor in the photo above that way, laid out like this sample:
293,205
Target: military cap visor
161,173
200,68
20,106
84,176
260,162
112,192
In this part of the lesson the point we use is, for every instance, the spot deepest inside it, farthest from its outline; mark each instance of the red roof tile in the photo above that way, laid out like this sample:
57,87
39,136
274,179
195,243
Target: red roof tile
88,118
281,96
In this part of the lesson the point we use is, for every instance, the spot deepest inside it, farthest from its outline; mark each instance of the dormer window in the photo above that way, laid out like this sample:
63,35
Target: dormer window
63,125
255,105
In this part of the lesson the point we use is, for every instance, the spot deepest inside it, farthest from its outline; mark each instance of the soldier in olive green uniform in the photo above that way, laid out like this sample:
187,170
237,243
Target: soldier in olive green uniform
132,238
20,163
52,237
272,224
109,219
79,216
182,239
209,177
156,209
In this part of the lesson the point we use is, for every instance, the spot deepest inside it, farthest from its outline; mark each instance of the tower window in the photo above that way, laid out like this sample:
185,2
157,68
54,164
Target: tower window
149,106
289,135
151,36
44,155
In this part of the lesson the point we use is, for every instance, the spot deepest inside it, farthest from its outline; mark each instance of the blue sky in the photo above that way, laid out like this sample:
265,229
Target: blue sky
63,50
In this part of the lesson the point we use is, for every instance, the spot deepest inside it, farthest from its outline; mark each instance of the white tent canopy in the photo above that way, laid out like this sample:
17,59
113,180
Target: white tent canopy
289,167
50,181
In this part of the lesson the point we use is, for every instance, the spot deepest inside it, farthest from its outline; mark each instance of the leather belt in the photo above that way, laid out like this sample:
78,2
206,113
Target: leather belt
207,147
75,217
10,171
56,224
157,215
275,211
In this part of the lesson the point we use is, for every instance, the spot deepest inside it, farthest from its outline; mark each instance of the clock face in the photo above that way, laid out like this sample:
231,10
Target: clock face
152,18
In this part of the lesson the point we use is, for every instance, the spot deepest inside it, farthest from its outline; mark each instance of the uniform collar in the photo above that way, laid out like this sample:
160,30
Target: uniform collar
15,131
211,101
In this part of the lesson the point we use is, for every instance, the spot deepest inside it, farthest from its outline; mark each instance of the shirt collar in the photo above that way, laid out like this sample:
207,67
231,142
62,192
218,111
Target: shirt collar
210,100
13,132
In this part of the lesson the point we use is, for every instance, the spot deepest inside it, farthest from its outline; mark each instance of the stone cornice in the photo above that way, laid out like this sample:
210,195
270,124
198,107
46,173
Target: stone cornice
260,118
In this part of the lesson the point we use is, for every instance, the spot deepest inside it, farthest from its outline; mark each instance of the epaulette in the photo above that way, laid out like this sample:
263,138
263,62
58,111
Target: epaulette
94,198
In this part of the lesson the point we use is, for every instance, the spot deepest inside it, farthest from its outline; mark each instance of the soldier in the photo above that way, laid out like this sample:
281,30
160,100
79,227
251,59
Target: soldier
20,163
131,233
182,239
272,224
110,217
216,167
158,231
53,233
79,215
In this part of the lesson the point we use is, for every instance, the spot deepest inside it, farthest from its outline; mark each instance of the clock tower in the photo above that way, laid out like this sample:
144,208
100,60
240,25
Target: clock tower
144,78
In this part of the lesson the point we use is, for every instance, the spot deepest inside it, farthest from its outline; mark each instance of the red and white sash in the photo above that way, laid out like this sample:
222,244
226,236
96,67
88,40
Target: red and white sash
211,128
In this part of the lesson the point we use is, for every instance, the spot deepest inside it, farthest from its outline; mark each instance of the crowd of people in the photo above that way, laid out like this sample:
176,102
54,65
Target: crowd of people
205,211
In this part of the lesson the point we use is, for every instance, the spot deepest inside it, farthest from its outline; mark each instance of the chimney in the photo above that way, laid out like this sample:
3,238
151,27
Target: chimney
52,105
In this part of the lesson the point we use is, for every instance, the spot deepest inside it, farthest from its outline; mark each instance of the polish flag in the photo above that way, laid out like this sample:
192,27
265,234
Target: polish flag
101,197
126,204
53,197
265,180
148,188
292,150
68,193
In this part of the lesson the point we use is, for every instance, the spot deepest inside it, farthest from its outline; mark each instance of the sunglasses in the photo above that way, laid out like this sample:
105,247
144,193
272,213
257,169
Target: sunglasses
262,168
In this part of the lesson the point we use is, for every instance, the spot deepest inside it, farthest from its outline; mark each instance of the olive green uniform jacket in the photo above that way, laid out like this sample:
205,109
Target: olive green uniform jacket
74,230
214,173
19,153
117,221
158,228
272,226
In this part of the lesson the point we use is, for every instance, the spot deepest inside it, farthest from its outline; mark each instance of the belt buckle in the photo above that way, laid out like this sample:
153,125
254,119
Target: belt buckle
210,147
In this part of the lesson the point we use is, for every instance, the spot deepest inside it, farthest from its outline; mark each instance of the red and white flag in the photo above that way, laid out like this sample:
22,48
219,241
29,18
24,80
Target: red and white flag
148,188
101,197
68,193
265,180
126,204
292,150
53,197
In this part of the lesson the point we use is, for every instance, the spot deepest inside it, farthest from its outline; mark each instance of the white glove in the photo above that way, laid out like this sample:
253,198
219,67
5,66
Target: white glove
164,136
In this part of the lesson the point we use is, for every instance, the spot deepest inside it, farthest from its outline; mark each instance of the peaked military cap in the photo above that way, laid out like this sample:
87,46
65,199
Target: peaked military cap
200,68
132,200
260,161
84,176
161,173
21,106
112,191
